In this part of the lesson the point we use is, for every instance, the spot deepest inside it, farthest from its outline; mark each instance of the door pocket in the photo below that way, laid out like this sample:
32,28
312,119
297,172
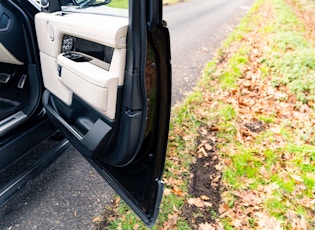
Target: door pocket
92,137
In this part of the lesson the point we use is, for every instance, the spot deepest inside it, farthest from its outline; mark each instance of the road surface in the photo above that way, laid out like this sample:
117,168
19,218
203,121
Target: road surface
197,29
70,193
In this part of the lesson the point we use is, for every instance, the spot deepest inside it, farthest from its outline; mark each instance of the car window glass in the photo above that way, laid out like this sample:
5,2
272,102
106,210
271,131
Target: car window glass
70,4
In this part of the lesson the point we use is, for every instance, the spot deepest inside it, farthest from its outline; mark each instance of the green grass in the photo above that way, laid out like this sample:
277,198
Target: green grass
228,78
226,112
119,4
295,68
267,119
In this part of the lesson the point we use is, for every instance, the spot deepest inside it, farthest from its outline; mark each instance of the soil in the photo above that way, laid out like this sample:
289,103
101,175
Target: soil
110,214
256,126
205,182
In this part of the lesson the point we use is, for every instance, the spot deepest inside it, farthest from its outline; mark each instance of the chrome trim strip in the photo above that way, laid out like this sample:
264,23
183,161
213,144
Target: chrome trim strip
35,4
12,120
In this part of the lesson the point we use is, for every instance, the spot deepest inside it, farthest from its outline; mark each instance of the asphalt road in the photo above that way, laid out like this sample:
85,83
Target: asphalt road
70,193
197,29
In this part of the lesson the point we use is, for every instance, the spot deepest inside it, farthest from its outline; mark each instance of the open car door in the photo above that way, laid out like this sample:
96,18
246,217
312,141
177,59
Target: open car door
108,89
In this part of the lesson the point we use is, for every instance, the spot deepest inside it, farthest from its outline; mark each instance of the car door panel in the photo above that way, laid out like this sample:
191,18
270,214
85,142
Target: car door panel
95,85
108,81
90,79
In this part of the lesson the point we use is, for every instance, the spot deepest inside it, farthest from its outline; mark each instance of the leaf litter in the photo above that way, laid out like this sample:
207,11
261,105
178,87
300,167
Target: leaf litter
268,118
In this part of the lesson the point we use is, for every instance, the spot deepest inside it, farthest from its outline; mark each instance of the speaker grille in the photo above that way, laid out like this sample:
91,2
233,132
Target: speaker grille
5,22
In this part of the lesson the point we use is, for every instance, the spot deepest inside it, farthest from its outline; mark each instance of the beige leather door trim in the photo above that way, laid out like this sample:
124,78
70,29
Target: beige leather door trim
94,81
7,57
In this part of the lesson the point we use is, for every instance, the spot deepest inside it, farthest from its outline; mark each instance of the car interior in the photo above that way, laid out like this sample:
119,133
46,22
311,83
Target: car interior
81,64
87,65
83,60
103,78
19,82
83,71
80,59
90,65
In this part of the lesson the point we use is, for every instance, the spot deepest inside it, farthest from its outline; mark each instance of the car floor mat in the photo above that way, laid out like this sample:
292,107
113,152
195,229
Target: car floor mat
8,107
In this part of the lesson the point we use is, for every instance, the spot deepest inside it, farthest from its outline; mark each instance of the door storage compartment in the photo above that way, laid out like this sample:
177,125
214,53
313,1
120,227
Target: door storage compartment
81,126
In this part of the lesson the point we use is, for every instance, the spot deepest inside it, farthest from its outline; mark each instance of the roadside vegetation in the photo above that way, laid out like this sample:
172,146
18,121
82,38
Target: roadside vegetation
241,149
118,4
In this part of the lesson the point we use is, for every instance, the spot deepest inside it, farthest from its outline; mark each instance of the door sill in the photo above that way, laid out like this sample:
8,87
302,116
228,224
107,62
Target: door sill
11,120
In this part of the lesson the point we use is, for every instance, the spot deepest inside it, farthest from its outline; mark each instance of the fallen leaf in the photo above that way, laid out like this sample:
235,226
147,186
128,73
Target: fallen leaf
97,219
208,147
178,192
216,179
297,179
223,208
227,161
218,167
203,151
116,202
265,221
214,128
167,192
171,222
206,226
198,202
204,197
207,204
237,223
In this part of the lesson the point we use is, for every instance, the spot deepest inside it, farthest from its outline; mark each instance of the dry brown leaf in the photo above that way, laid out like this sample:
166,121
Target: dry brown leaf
97,219
208,204
214,128
297,179
203,152
173,182
116,201
167,192
218,167
298,223
216,179
223,208
227,161
171,222
237,223
204,197
265,221
206,226
178,192
208,147
198,202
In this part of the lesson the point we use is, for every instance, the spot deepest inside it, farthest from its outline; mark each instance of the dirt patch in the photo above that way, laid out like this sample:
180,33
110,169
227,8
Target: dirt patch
255,126
105,219
204,185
